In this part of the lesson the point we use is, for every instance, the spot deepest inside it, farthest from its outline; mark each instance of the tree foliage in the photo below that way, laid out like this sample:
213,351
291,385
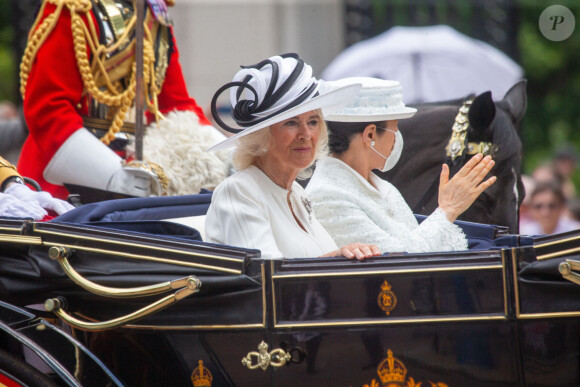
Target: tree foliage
8,62
553,73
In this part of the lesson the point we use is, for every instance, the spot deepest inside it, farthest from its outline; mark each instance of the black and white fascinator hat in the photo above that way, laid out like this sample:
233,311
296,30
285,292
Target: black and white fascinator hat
274,90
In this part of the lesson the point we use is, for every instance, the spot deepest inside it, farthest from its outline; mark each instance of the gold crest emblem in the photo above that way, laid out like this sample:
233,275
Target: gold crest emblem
201,377
393,373
387,299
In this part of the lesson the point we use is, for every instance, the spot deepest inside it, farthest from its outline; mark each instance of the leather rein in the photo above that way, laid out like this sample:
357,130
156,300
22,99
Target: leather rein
458,150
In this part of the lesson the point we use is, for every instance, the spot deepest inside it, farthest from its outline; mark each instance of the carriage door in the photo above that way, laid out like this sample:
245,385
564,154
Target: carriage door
434,319
548,309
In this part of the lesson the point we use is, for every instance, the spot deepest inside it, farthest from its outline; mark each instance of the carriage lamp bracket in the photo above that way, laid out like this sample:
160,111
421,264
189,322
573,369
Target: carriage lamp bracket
62,255
567,269
57,306
182,288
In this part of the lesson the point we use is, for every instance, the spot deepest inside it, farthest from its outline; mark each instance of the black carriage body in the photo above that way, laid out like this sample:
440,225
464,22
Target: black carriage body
502,316
34,352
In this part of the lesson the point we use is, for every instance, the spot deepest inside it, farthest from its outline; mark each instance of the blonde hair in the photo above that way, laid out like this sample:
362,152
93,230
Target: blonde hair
256,144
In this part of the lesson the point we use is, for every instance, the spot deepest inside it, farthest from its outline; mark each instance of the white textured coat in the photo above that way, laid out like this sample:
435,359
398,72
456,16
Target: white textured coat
352,210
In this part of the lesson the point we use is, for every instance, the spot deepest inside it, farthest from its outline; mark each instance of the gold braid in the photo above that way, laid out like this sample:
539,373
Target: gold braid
36,37
84,36
149,63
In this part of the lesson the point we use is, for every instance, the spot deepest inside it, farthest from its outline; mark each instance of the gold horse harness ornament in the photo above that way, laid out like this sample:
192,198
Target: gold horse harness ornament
458,144
457,147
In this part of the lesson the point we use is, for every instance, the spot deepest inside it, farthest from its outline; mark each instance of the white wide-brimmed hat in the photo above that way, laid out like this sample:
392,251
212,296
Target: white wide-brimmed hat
377,100
274,90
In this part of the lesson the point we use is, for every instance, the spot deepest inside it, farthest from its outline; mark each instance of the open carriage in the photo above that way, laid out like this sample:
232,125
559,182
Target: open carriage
141,302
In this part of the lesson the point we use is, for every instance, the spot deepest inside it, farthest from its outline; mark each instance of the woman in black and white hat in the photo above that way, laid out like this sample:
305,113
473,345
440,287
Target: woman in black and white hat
278,108
353,203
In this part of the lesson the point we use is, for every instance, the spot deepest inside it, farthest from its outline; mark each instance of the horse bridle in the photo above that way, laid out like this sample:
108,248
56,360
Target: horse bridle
458,144
457,150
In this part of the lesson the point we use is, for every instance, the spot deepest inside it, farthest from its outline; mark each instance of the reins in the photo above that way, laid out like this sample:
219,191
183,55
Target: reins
458,151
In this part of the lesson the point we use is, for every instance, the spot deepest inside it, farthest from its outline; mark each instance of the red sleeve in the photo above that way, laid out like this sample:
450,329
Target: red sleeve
54,89
174,95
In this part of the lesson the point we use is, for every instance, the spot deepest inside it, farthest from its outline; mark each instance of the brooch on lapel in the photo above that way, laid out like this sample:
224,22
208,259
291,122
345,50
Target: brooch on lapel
308,206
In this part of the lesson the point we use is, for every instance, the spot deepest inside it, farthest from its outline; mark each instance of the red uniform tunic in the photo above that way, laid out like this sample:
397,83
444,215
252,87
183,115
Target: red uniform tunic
54,102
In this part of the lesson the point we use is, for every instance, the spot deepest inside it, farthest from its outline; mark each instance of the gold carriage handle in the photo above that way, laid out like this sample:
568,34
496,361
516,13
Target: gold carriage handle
566,269
263,359
61,254
56,306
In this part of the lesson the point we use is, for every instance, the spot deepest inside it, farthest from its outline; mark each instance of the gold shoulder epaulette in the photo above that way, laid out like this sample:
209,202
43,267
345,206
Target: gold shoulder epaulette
41,29
7,170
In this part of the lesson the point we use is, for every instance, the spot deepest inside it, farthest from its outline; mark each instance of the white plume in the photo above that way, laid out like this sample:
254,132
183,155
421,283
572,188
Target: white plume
178,144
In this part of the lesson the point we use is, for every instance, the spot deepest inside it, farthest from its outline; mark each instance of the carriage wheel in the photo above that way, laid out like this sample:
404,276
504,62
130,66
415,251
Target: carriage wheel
15,373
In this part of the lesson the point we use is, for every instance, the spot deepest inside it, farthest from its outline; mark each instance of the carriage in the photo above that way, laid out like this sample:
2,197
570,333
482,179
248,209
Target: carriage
114,293
109,294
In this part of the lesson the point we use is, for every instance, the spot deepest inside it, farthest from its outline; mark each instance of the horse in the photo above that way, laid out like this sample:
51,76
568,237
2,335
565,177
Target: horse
492,127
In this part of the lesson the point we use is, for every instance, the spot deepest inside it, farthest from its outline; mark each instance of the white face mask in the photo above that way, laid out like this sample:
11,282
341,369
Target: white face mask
395,154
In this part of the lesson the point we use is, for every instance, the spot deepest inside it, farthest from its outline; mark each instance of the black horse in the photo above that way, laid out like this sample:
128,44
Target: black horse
493,126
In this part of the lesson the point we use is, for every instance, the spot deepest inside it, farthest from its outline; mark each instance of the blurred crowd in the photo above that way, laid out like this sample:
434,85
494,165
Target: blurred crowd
551,204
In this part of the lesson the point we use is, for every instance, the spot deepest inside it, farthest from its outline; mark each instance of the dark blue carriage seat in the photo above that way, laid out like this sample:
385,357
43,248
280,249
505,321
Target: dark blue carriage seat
153,208
148,215
484,236
144,215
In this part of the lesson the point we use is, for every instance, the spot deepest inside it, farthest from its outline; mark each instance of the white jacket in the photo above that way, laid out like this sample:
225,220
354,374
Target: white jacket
249,210
352,210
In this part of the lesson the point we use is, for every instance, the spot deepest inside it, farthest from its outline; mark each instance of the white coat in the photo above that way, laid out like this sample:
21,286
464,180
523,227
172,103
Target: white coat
249,210
352,210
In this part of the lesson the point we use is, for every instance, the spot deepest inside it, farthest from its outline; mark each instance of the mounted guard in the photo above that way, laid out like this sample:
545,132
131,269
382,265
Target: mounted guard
79,84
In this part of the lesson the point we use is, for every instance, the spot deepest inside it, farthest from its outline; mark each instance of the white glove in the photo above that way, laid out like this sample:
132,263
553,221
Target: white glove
16,208
44,200
135,181
84,160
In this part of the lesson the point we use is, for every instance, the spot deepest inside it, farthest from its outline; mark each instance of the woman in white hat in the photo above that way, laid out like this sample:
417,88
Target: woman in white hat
277,104
353,203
